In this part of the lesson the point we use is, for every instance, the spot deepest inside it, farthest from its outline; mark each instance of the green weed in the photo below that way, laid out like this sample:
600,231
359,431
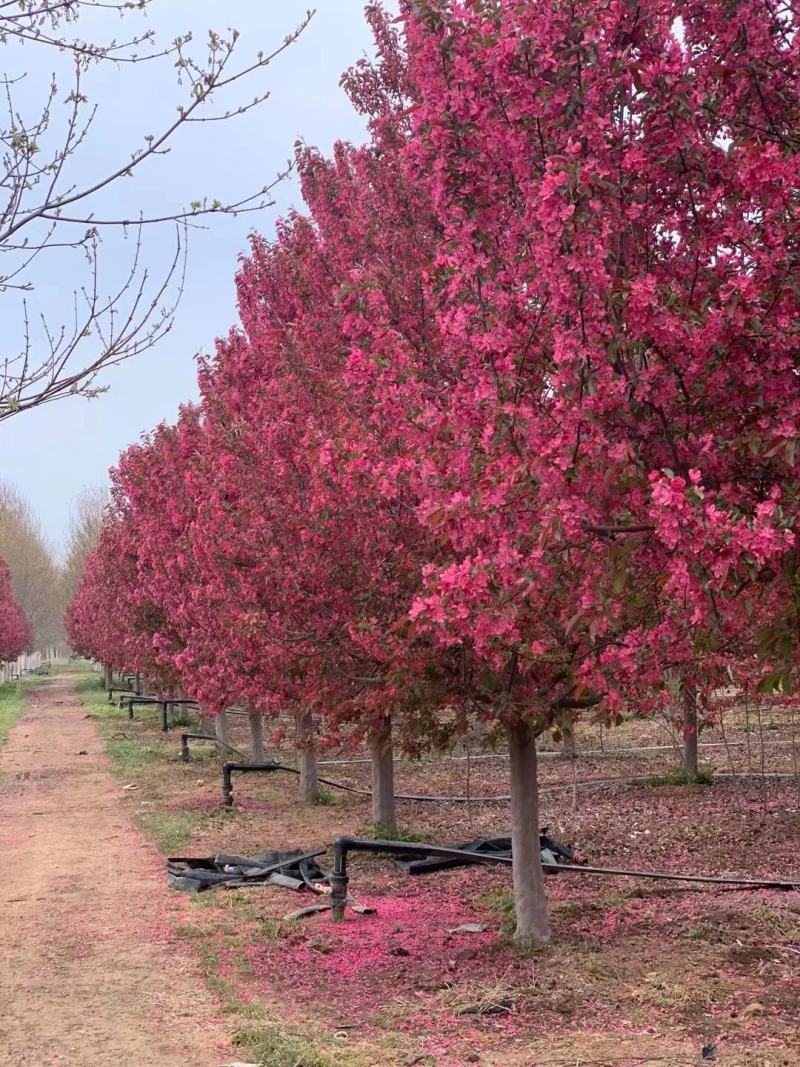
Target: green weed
128,753
501,902
11,704
384,833
170,830
274,1047
181,716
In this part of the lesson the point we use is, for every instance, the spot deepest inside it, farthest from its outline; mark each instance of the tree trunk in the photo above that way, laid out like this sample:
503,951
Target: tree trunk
530,903
568,750
221,727
256,735
689,731
308,788
108,676
384,814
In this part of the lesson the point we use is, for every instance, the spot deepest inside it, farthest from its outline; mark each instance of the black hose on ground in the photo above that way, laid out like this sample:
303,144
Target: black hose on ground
344,845
187,737
270,767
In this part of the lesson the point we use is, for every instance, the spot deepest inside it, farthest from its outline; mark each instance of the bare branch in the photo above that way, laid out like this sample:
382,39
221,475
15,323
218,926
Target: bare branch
58,359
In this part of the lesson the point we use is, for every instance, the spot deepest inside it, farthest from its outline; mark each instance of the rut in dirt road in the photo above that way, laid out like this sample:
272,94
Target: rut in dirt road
89,970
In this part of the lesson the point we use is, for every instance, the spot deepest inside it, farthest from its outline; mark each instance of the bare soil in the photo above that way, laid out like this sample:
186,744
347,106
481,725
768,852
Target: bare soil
91,971
640,974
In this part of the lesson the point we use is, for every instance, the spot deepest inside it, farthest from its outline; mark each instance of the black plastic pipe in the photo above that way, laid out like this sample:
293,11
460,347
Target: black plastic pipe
117,689
136,698
187,737
130,701
245,768
344,845
174,702
269,767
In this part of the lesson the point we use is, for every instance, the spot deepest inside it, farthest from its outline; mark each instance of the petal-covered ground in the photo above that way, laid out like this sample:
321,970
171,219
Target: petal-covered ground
639,972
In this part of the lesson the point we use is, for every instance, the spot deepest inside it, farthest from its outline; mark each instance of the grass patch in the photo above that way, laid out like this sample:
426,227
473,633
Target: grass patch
498,998
783,924
12,701
171,831
91,685
274,1047
75,666
383,833
500,902
128,753
181,716
95,700
104,713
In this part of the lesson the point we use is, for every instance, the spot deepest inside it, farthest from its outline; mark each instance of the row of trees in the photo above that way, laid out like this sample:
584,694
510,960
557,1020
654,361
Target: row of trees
55,214
508,431
35,574
41,584
15,631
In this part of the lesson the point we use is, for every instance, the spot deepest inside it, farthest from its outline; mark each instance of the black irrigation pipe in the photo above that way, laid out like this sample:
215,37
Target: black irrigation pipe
118,689
176,702
344,845
164,703
549,753
547,787
269,767
131,700
187,737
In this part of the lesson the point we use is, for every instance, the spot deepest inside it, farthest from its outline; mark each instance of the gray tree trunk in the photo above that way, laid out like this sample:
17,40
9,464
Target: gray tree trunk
307,756
530,903
384,814
568,749
221,730
108,676
690,732
256,735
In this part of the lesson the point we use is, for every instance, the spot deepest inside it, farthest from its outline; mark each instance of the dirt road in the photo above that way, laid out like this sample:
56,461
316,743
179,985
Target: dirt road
90,972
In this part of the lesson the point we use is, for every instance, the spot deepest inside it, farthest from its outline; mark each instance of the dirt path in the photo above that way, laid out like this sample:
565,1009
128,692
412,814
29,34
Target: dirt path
89,969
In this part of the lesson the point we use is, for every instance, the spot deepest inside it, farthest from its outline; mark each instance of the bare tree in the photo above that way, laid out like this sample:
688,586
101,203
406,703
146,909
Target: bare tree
34,572
82,536
44,210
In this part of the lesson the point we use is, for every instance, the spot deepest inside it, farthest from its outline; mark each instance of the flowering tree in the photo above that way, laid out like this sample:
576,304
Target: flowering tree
510,425
612,460
307,529
15,633
317,567
158,486
101,619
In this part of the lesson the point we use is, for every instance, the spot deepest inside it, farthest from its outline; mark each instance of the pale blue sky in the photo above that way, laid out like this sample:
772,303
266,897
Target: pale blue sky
51,453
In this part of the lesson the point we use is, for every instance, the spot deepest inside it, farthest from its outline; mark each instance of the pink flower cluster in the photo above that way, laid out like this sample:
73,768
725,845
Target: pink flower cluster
511,417
15,631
